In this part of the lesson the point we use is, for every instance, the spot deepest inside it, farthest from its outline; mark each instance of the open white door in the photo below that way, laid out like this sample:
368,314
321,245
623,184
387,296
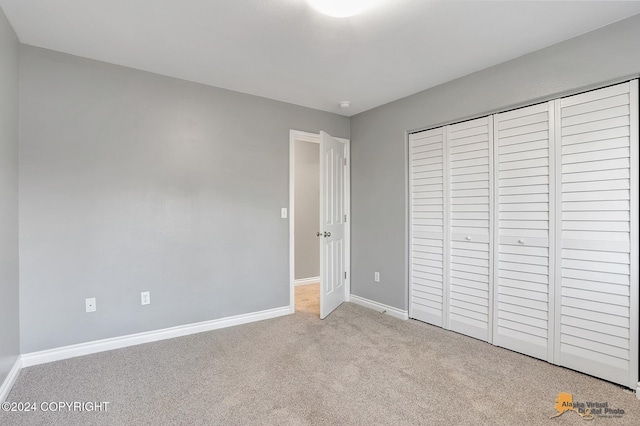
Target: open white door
332,224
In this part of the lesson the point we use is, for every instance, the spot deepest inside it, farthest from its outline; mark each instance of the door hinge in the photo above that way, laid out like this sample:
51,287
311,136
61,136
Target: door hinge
345,217
345,161
345,275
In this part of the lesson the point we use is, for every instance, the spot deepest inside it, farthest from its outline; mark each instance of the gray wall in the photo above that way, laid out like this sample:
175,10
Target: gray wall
131,181
379,147
9,325
307,209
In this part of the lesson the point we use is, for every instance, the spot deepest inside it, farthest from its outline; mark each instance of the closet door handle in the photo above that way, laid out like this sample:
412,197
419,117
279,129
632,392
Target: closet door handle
327,234
520,241
318,233
468,238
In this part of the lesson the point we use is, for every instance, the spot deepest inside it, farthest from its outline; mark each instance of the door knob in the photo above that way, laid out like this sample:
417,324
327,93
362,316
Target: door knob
327,234
520,241
318,233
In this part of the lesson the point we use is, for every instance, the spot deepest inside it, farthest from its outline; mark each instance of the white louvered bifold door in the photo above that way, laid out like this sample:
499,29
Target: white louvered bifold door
426,157
470,171
522,255
598,284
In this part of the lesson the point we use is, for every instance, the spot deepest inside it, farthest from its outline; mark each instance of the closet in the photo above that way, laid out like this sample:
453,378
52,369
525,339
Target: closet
524,230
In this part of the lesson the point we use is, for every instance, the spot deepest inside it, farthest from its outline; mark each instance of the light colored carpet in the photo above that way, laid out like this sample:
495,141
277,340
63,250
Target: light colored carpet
308,299
357,367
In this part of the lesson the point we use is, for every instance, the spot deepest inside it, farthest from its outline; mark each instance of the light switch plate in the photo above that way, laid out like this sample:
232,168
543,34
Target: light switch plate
283,213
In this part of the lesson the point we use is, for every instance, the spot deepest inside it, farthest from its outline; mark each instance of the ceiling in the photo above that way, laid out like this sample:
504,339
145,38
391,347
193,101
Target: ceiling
285,50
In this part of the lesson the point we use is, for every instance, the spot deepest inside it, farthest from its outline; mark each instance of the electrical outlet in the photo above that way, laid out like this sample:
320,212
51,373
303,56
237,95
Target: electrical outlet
283,213
376,277
145,298
90,304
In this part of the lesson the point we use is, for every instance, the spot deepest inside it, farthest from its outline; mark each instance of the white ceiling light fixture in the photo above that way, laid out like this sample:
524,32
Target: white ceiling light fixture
342,8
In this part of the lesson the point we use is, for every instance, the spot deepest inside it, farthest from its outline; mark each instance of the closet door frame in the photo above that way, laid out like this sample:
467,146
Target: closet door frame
634,233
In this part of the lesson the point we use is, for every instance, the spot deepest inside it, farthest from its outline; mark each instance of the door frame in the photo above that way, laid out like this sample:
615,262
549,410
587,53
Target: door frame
300,136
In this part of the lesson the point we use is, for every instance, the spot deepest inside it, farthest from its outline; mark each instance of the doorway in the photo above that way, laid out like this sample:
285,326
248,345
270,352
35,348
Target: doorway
307,220
317,261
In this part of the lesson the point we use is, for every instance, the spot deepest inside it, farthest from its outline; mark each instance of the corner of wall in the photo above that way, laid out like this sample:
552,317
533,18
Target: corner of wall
9,151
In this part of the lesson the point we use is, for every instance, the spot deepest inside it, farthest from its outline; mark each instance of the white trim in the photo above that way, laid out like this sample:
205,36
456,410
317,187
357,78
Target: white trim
409,228
446,229
380,307
305,281
347,224
634,312
638,391
495,248
72,351
10,380
300,136
493,196
407,223
554,242
555,238
292,238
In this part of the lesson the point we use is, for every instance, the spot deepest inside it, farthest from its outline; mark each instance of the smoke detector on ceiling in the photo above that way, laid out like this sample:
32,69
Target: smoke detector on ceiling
345,104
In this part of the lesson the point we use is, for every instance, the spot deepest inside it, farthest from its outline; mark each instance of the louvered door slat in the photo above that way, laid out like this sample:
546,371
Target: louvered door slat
522,285
598,296
470,145
426,152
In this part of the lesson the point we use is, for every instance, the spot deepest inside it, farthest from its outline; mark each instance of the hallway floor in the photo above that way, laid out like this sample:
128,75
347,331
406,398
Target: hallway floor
307,299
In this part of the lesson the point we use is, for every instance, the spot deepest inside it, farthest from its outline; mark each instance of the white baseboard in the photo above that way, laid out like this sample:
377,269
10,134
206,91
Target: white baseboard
380,307
11,378
50,355
637,391
305,281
